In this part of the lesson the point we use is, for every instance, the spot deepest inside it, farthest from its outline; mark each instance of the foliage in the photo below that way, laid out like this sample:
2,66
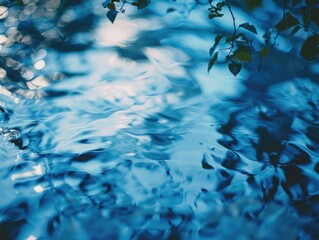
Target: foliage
239,46
298,15
116,6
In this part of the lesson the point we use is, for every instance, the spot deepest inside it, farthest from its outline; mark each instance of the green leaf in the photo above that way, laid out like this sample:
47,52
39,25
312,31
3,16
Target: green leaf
295,30
248,27
252,4
264,52
212,61
310,48
229,39
234,68
111,6
243,55
220,5
111,15
287,22
213,15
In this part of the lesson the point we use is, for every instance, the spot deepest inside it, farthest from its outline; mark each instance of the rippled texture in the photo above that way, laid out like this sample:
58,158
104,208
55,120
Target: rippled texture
119,133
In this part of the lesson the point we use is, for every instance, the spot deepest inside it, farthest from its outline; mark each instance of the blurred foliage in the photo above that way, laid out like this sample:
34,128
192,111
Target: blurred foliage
31,27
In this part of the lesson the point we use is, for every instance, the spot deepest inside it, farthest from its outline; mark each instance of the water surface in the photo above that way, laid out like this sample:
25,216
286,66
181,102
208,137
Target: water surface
118,132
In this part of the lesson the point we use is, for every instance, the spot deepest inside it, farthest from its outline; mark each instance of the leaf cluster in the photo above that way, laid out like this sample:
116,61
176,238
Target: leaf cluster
117,6
215,10
239,46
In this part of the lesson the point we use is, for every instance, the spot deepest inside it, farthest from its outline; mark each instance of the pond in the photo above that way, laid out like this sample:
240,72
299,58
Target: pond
117,131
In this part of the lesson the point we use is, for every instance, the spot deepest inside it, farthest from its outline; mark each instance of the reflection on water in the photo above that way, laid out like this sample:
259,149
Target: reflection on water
122,135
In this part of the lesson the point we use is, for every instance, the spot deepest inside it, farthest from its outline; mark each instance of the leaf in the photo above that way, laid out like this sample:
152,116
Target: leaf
141,3
243,55
295,30
287,22
111,6
217,40
264,52
105,3
220,5
310,48
111,15
315,15
170,10
214,15
296,2
306,17
241,37
212,61
252,4
229,39
234,68
248,27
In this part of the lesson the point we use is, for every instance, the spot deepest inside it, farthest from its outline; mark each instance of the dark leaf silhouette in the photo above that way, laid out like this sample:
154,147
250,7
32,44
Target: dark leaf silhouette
310,48
234,68
252,4
296,2
217,40
105,3
264,52
243,55
287,22
111,6
170,10
212,61
249,27
111,15
315,15
141,3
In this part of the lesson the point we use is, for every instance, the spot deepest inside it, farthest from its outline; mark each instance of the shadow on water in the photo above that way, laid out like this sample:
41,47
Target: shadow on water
117,132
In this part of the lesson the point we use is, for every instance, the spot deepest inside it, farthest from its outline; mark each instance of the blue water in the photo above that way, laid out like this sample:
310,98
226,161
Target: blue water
119,132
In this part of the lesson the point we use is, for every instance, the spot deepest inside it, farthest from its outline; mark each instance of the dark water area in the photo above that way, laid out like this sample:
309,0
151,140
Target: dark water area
118,131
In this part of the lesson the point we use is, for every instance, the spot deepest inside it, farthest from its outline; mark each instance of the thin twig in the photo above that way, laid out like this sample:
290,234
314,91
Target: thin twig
232,15
283,16
124,2
234,26
1,14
